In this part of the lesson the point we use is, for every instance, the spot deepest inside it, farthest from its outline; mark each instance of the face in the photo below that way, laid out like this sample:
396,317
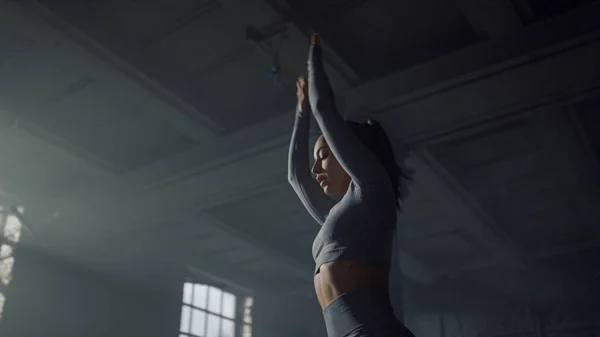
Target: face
330,174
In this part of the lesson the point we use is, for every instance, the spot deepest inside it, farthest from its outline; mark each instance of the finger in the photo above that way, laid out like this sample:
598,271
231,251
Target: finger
314,39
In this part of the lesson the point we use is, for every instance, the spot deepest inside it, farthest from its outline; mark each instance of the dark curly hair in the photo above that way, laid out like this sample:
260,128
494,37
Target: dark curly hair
374,137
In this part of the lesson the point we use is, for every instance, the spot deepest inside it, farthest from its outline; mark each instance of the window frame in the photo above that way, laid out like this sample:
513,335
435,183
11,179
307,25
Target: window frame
5,213
240,305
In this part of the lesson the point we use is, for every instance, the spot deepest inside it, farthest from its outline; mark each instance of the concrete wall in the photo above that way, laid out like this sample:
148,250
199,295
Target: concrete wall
48,298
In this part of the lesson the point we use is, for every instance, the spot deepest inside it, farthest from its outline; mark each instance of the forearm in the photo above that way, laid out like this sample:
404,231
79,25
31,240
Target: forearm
356,159
307,189
298,163
322,98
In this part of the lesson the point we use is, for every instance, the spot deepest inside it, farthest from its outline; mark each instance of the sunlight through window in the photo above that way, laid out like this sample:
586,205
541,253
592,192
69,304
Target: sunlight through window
247,330
2,301
5,251
211,312
10,235
6,267
12,229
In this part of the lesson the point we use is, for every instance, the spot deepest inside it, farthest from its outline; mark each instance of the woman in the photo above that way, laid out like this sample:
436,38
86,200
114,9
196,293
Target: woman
353,250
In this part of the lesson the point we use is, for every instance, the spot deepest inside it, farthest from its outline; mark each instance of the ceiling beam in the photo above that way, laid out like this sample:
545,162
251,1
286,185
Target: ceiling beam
547,81
557,139
288,264
491,18
85,161
417,91
184,168
233,148
416,270
305,25
587,144
188,119
524,11
26,137
220,185
218,280
456,202
561,146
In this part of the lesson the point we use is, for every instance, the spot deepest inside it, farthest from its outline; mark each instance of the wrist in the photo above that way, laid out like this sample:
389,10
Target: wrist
303,107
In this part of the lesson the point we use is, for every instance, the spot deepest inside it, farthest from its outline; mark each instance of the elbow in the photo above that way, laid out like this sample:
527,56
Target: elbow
294,183
292,178
295,179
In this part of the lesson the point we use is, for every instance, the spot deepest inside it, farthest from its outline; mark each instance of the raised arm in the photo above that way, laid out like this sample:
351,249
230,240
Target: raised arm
358,161
308,190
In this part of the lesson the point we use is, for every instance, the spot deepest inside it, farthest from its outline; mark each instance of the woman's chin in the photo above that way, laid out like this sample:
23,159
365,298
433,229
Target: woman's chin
329,191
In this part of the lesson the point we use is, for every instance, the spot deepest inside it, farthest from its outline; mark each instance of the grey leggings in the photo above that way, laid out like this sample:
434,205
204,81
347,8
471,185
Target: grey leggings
363,313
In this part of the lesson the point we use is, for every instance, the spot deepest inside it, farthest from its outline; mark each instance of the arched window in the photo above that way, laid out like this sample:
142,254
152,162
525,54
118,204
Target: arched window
208,311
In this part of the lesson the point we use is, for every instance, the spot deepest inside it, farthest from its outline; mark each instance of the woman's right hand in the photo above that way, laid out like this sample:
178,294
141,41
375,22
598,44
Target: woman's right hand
302,94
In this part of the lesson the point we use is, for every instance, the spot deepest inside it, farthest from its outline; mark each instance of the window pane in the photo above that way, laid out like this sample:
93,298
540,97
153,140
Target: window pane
187,293
5,251
200,296
12,228
248,310
214,324
185,319
228,305
247,332
2,300
214,300
249,301
227,328
6,266
198,322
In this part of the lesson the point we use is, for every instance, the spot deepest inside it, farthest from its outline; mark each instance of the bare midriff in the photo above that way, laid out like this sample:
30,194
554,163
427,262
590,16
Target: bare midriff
338,277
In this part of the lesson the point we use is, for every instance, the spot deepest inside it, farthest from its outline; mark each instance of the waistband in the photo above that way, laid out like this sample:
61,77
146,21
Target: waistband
362,312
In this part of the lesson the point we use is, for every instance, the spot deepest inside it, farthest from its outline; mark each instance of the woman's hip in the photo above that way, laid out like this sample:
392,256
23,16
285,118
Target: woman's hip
365,312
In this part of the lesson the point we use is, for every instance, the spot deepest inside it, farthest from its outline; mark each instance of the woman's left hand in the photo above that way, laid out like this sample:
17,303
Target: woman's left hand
302,93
